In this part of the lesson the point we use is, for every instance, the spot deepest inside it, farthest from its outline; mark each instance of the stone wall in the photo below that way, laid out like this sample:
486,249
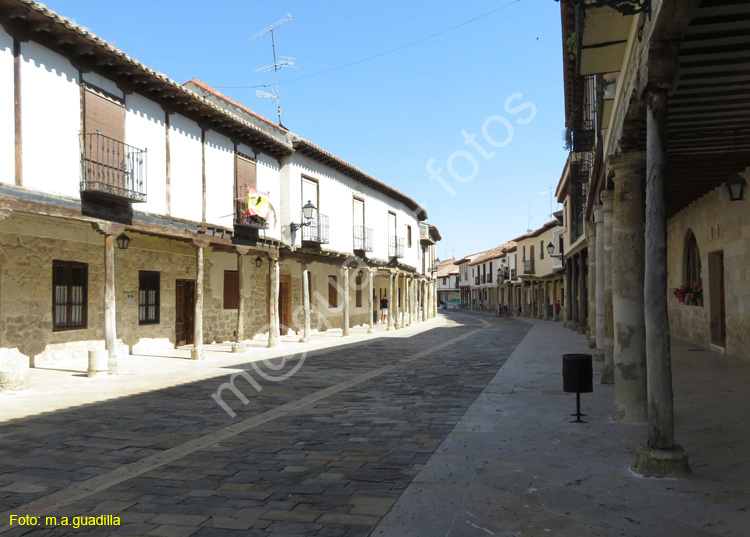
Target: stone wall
719,225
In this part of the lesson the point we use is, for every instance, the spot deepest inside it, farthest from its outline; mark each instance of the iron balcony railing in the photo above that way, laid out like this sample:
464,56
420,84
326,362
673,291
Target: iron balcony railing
112,168
242,216
317,230
362,239
528,266
395,247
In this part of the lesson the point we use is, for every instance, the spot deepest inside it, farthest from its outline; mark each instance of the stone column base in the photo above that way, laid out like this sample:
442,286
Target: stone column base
272,343
304,339
607,375
581,329
14,379
239,347
599,356
197,354
661,463
592,342
370,330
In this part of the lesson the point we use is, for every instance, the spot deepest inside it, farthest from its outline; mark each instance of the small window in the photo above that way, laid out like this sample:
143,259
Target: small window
333,296
358,292
692,261
408,236
231,290
69,295
148,297
541,249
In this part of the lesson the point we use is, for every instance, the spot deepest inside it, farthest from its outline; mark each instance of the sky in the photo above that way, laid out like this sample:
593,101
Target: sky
471,90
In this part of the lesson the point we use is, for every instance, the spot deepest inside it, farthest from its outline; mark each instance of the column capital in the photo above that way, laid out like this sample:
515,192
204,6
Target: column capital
608,198
659,67
627,164
242,250
107,228
598,214
200,242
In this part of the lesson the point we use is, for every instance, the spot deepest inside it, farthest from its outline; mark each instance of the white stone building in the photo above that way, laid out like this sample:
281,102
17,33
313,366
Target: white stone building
126,225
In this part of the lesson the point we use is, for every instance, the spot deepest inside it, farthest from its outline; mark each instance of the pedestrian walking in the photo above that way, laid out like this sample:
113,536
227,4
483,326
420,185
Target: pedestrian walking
383,309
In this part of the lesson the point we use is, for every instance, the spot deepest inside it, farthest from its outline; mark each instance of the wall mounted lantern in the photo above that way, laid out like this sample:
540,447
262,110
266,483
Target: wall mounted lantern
258,261
123,241
737,187
551,252
308,211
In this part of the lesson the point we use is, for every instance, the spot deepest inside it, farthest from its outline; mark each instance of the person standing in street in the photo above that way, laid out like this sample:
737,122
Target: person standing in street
383,309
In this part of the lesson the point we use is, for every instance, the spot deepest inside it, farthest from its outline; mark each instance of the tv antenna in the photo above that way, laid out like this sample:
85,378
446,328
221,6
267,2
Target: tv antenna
285,62
550,192
528,217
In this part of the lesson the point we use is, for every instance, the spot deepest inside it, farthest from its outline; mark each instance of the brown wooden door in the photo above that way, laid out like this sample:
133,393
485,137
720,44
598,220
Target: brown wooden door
184,312
285,304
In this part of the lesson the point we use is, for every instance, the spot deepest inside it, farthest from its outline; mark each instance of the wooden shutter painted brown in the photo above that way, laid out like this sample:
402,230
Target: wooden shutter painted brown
231,290
104,114
333,296
246,171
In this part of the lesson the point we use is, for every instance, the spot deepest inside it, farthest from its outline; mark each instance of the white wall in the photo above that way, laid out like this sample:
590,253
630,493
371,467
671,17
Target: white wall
50,122
7,125
268,174
186,168
337,192
144,129
219,179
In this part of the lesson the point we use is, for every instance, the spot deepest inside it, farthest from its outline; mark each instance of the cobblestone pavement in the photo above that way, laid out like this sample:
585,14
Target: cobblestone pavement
325,452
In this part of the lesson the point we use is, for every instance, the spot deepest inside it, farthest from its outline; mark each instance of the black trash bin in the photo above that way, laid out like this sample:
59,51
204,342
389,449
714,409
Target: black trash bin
578,378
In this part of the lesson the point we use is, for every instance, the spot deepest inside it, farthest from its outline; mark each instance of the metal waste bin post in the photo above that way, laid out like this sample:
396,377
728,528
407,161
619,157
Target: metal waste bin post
578,375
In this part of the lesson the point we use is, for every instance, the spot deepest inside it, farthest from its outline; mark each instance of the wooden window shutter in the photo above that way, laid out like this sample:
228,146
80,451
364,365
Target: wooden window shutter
103,113
333,296
231,290
246,171
358,293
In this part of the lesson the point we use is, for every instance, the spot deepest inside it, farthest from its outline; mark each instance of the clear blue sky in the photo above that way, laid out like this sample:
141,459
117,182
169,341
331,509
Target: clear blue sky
388,116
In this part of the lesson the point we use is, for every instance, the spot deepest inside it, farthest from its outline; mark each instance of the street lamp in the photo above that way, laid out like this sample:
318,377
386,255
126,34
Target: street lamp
258,261
308,210
551,252
123,241
737,187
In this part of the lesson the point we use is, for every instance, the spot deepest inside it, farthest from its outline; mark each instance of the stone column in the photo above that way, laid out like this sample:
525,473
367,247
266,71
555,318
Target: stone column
396,302
662,458
198,352
554,300
345,281
391,306
239,340
371,301
627,289
404,302
273,303
575,291
599,283
608,371
568,312
305,304
582,295
591,283
110,317
408,301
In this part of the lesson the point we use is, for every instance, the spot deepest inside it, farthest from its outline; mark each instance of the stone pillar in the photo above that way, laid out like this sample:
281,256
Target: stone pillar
575,291
599,283
396,302
391,302
591,283
110,322
345,281
370,301
554,300
409,300
627,289
273,303
608,372
198,352
404,302
662,457
568,312
239,340
305,304
582,295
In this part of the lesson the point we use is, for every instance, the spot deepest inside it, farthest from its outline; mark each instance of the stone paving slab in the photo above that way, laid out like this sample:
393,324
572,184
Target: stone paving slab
333,467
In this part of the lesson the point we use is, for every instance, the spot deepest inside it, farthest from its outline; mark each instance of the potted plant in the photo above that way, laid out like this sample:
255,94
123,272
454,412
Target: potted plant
689,294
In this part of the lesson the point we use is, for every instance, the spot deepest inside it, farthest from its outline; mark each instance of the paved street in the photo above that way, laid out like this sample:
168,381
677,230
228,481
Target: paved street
325,452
